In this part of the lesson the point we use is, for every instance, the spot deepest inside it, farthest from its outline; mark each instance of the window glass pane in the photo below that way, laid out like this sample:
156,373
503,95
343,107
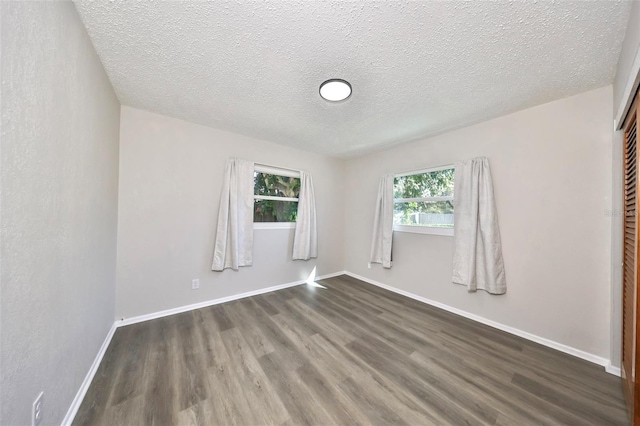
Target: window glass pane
432,213
431,184
274,211
275,185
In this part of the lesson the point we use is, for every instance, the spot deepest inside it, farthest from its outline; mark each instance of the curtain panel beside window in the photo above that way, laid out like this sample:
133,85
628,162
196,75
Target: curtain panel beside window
383,223
305,237
234,235
477,253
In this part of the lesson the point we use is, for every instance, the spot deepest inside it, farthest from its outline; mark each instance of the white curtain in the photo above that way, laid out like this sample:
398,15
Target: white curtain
305,238
383,223
477,253
234,235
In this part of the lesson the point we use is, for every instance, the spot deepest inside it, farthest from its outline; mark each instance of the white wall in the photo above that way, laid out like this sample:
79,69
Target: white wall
170,180
552,176
60,129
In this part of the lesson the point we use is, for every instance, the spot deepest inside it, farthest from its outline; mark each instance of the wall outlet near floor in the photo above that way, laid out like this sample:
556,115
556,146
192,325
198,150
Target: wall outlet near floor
36,410
195,284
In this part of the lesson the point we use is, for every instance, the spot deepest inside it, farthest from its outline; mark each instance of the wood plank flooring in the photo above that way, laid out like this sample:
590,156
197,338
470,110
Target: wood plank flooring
350,353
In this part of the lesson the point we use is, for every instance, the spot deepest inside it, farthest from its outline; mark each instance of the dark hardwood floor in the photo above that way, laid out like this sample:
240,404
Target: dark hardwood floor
350,353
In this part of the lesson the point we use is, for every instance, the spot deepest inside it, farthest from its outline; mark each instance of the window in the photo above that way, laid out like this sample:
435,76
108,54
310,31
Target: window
423,201
276,194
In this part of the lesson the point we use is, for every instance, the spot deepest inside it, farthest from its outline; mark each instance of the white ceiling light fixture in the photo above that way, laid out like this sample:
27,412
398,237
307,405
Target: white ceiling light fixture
335,90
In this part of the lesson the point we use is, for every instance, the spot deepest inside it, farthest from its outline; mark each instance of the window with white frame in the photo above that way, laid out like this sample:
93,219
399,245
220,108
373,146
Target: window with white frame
276,194
423,201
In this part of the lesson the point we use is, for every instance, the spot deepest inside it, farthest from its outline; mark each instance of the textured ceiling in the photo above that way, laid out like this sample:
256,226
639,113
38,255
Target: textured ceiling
417,68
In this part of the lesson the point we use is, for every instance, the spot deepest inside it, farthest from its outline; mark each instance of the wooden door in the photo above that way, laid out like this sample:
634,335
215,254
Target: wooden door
630,339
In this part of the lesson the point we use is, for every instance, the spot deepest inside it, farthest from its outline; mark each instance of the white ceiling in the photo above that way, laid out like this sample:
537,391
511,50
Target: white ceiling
417,68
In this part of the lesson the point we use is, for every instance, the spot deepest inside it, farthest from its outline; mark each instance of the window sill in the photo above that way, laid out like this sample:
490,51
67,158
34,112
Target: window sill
274,225
424,230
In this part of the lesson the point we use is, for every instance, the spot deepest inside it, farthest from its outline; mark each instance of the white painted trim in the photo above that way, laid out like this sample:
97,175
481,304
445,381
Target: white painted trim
429,170
275,198
541,340
423,199
77,401
629,90
273,170
274,225
615,288
333,274
84,387
142,318
417,229
612,370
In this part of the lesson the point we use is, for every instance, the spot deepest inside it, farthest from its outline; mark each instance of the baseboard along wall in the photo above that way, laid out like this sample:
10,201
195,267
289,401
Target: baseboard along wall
186,308
511,330
75,405
73,409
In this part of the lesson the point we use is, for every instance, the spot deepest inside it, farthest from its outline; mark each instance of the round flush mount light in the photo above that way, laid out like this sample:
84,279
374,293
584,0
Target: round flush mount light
335,90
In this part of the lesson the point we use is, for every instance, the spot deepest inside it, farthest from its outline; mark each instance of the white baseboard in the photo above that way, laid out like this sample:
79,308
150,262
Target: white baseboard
612,370
334,274
186,308
541,340
73,409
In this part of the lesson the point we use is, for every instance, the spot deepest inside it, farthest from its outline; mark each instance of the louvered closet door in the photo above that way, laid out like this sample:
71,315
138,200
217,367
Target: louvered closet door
630,262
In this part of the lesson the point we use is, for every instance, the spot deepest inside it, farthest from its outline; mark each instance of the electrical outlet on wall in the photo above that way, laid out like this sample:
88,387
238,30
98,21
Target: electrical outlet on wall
36,410
195,284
